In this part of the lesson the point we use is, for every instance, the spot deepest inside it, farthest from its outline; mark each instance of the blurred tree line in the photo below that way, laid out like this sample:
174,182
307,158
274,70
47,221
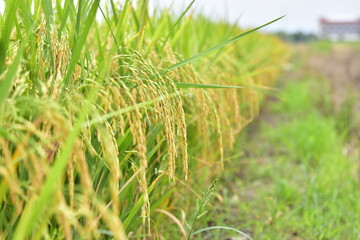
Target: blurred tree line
297,37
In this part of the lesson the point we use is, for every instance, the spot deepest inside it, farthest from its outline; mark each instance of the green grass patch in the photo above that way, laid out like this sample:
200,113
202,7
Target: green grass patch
295,182
321,46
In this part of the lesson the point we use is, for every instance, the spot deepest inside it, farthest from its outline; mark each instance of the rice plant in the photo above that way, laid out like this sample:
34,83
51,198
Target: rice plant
107,127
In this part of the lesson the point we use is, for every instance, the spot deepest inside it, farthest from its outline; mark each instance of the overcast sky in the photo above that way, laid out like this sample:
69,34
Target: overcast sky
301,15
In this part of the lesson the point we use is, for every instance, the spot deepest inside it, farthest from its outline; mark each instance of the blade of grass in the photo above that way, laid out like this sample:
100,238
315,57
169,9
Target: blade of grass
202,54
10,16
222,227
76,51
217,47
136,207
67,8
48,11
113,8
177,23
109,26
232,29
78,18
143,22
6,83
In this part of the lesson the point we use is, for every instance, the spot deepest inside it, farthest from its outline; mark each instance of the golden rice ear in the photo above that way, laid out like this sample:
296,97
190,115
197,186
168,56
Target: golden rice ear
169,111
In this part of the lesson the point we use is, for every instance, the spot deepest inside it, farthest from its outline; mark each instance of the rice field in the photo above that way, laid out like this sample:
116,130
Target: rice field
115,128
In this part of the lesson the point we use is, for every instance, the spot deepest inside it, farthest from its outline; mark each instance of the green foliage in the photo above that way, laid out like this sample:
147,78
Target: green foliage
296,181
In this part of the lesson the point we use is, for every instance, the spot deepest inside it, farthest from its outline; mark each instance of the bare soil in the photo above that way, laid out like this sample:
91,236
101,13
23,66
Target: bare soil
342,68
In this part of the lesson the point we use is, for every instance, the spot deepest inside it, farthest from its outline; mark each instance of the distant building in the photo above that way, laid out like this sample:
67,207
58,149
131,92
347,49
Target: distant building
342,28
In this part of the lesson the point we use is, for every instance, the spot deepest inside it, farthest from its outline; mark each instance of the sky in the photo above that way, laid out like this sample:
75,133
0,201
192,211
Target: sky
301,15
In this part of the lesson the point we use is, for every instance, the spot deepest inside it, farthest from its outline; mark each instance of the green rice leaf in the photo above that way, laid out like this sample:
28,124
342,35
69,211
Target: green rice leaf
217,47
177,23
10,16
76,51
6,83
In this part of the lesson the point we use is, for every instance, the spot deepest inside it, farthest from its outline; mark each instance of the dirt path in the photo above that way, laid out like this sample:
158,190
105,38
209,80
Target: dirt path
342,68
